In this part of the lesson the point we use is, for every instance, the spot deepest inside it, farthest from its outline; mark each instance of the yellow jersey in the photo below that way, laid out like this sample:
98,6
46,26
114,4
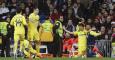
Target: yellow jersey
33,22
18,21
82,37
94,33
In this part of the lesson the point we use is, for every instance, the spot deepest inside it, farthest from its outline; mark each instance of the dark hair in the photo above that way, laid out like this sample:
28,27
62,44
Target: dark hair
35,7
89,25
81,24
18,10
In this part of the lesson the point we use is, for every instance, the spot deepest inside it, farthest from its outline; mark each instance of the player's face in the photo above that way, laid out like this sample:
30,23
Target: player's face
88,27
81,28
36,11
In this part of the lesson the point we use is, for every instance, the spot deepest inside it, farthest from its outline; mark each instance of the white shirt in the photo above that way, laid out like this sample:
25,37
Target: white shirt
4,10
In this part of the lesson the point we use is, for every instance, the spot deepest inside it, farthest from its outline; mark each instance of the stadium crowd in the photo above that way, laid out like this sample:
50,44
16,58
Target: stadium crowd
54,14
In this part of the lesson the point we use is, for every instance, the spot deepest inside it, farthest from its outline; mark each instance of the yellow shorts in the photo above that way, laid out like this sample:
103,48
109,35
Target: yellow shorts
18,37
33,36
81,49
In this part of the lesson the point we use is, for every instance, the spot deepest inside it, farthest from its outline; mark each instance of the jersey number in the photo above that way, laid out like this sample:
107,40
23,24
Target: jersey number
18,23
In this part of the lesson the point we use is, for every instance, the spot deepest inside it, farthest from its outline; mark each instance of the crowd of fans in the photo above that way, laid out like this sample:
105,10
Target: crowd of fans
97,13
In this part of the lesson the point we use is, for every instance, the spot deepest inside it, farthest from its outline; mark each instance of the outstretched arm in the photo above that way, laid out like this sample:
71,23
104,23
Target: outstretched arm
67,31
95,33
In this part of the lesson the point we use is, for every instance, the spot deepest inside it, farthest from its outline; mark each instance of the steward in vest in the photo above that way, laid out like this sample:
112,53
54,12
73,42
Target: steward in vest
46,35
58,34
46,29
4,30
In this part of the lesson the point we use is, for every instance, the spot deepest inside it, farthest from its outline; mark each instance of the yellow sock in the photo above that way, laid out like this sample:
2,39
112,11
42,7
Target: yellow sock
21,44
27,53
32,50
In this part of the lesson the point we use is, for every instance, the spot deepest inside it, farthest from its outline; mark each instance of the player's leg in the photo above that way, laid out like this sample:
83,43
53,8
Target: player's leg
84,54
37,44
30,38
79,51
83,51
22,38
16,39
26,48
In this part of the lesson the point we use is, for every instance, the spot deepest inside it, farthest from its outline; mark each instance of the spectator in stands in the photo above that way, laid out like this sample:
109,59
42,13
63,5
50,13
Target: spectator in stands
104,35
77,12
13,8
27,11
97,24
70,27
3,9
55,15
108,22
95,7
64,11
90,22
99,16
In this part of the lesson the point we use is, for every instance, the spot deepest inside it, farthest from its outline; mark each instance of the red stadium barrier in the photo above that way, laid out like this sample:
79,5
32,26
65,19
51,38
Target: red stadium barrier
47,55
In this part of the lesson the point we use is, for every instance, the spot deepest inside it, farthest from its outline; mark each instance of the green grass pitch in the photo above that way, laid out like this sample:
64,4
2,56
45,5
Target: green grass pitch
1,58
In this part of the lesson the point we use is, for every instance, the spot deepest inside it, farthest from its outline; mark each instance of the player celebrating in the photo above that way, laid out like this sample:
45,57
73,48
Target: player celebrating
82,39
18,22
33,35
